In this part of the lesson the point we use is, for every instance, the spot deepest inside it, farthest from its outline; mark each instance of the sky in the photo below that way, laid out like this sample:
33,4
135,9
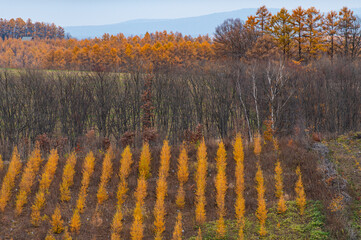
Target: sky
99,12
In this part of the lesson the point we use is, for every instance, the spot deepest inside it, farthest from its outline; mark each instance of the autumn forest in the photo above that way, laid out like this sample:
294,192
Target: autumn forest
252,132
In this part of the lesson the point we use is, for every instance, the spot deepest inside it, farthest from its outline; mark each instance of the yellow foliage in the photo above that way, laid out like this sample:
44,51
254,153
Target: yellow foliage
279,188
199,235
107,170
49,171
68,177
56,221
281,205
125,164
300,192
9,179
257,144
66,235
50,236
239,172
261,212
183,165
141,191
136,230
27,179
279,180
145,159
88,169
75,222
159,209
117,221
180,202
36,207
164,159
221,187
177,233
201,180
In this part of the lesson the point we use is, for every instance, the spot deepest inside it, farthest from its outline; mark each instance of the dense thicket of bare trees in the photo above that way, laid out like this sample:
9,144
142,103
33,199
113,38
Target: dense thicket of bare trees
223,97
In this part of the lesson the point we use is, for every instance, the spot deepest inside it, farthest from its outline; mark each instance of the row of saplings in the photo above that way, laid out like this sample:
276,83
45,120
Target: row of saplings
32,168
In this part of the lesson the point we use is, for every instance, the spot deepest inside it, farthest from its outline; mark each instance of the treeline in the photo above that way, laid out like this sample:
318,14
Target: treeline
109,53
300,34
18,28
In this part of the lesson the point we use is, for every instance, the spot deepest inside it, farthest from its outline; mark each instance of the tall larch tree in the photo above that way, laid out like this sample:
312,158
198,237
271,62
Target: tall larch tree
313,32
282,30
330,26
347,20
298,20
263,18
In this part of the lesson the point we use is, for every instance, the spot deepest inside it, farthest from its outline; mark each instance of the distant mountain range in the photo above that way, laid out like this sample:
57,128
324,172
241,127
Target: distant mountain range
193,26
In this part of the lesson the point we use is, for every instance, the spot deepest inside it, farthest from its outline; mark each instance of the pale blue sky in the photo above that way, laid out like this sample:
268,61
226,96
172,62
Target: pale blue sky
98,12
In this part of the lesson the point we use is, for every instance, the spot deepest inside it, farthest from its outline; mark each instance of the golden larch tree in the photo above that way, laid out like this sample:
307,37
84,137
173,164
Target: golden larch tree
9,179
300,192
261,212
107,171
240,207
221,188
183,175
201,181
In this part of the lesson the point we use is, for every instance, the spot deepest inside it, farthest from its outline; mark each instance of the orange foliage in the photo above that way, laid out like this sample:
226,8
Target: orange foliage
221,187
239,172
300,192
67,179
88,169
75,222
56,221
261,212
125,164
201,180
177,233
107,170
145,159
27,179
9,179
182,176
279,188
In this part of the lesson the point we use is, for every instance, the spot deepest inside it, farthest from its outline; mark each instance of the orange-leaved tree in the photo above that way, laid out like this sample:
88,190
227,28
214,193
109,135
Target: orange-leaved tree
177,233
300,192
183,175
161,190
201,181
221,188
28,178
261,212
9,179
44,184
240,207
68,177
107,171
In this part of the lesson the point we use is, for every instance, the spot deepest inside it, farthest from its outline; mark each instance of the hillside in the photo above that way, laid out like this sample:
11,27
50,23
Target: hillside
317,222
193,26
